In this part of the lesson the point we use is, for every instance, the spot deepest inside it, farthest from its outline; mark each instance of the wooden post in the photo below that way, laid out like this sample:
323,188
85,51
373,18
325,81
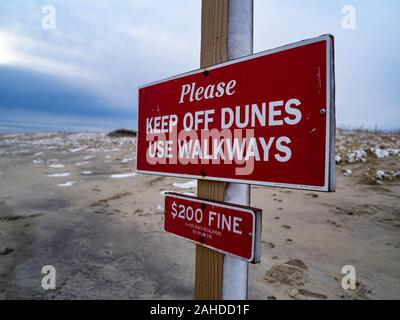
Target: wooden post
221,31
214,49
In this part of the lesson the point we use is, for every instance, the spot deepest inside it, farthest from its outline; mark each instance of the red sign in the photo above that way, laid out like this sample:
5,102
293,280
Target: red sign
231,229
263,119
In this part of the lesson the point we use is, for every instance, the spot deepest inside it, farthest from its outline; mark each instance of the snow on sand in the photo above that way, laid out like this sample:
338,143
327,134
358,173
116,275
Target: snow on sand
56,175
66,184
123,175
186,185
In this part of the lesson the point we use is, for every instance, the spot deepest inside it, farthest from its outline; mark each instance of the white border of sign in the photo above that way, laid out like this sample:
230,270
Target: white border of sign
256,229
330,165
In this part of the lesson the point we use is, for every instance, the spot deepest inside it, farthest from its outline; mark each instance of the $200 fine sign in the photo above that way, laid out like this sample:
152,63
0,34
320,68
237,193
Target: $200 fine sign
230,229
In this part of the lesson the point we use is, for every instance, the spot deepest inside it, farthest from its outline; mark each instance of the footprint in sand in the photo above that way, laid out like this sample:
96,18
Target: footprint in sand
100,206
19,217
313,195
333,223
360,292
292,272
307,293
271,245
144,214
6,251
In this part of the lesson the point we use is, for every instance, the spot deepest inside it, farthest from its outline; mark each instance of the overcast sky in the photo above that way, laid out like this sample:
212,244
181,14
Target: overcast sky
84,73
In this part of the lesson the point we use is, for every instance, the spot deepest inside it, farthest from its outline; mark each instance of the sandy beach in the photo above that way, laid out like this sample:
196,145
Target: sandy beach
73,200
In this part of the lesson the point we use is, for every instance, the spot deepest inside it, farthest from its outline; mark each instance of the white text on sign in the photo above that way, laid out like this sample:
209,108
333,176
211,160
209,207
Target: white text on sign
214,219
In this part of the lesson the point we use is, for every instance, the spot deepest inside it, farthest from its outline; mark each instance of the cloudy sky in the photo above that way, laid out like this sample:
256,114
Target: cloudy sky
84,74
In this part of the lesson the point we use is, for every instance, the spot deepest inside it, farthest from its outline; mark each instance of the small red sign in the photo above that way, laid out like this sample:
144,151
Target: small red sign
231,229
264,119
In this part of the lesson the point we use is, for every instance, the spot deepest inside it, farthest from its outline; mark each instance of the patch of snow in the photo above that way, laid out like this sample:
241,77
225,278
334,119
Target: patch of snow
112,150
92,150
186,185
82,163
56,175
384,153
56,166
73,150
123,175
380,174
348,172
89,157
338,159
380,153
38,154
87,173
354,156
185,193
66,184
23,151
126,160
37,161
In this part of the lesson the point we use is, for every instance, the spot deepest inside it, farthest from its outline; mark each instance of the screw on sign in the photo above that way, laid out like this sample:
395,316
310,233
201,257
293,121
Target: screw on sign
231,229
